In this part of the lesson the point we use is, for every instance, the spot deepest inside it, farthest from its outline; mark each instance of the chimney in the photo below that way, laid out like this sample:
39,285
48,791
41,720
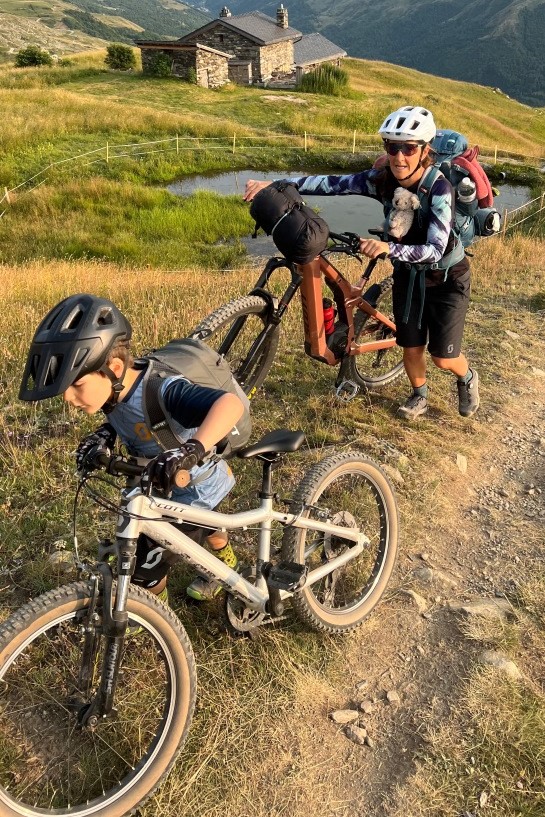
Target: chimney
282,16
225,12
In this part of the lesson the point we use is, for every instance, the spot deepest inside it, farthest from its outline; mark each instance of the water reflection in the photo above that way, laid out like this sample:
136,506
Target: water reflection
351,213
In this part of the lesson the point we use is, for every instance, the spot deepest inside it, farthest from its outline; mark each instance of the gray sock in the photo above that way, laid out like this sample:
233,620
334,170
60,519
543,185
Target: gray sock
421,391
467,377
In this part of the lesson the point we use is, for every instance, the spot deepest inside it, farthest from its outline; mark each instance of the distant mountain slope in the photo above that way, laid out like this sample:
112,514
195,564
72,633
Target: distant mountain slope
58,24
491,42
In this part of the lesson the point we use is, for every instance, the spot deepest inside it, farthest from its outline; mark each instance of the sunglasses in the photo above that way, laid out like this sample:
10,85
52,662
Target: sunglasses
406,148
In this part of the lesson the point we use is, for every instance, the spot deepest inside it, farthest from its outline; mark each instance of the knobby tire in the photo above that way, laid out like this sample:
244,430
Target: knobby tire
345,489
50,765
373,370
234,329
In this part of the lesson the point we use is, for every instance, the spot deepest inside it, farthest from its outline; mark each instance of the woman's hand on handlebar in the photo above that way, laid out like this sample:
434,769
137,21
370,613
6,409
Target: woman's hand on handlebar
372,248
253,187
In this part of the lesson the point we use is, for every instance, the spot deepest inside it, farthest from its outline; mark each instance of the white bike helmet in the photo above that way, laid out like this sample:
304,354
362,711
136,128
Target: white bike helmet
409,122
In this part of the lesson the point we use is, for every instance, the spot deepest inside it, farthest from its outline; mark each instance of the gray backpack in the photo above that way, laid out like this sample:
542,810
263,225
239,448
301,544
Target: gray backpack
201,365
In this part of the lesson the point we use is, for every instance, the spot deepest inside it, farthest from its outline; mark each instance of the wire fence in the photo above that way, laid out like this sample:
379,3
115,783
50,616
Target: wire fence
353,143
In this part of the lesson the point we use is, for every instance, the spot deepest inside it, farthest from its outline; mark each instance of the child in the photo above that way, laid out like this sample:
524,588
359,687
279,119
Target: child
81,350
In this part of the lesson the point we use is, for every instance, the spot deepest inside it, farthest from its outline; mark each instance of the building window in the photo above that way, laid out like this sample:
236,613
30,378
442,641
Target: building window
221,38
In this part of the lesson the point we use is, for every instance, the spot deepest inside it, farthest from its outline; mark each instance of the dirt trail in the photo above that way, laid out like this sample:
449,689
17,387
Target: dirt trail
483,537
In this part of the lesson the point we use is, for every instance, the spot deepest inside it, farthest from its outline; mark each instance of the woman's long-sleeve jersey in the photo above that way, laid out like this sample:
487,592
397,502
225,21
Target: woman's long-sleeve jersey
423,244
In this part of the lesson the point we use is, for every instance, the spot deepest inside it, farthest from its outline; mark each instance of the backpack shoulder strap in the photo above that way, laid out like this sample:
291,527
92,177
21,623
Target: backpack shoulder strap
155,413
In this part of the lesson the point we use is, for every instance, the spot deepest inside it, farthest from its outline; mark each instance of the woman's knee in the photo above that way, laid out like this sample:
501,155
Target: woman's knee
413,353
445,363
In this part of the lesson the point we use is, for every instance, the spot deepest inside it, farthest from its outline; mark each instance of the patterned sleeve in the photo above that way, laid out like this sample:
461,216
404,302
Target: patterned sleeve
439,228
352,184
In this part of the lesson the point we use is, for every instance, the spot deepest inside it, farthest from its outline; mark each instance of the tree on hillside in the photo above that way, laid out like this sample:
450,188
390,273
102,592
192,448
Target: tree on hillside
32,55
120,57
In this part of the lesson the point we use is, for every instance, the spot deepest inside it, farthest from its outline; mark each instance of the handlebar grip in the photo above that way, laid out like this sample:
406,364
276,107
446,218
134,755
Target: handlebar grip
376,231
117,466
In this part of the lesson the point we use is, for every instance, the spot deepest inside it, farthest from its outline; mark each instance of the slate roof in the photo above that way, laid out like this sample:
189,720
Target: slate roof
315,48
256,26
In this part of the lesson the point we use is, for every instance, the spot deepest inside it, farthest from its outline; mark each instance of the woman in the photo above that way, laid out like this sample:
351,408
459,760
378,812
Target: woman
431,271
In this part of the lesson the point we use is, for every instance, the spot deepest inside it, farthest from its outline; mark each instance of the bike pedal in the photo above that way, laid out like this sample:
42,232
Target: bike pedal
346,390
289,576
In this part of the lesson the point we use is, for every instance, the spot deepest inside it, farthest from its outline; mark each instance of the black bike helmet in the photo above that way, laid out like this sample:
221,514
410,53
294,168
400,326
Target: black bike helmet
74,339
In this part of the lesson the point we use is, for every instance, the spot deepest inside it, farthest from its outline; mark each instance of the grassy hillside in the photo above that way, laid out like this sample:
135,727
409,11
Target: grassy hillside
110,228
53,114
67,27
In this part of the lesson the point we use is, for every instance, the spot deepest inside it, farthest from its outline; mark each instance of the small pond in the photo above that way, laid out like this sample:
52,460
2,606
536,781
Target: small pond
342,213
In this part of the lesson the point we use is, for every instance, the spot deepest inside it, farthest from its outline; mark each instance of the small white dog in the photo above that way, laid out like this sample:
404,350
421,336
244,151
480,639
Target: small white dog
402,213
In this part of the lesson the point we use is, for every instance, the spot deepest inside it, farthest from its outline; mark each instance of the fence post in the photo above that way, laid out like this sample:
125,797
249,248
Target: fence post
177,144
107,152
305,141
540,203
354,142
234,141
504,225
495,154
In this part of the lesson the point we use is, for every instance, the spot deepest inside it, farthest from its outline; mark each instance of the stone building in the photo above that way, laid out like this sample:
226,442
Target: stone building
254,48
210,66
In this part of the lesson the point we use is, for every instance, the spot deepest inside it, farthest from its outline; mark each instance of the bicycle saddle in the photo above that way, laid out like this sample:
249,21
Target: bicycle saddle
280,441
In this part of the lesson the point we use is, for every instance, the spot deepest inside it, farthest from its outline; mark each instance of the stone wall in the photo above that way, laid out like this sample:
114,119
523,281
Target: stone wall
266,60
212,69
276,59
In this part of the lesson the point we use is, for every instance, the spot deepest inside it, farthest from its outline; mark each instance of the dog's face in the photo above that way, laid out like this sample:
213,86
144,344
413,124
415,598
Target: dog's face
405,200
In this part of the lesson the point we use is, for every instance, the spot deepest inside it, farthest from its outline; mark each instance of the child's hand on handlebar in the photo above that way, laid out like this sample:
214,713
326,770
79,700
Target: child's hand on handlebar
372,248
253,187
170,468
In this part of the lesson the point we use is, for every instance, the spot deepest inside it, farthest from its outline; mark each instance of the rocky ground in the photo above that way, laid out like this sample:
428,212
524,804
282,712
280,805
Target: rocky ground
405,674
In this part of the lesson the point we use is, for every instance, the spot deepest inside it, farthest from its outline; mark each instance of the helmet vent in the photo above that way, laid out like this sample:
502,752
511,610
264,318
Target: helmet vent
105,317
80,356
53,368
73,320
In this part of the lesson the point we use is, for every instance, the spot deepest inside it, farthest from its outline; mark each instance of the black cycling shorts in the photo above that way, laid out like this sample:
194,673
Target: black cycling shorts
443,316
153,562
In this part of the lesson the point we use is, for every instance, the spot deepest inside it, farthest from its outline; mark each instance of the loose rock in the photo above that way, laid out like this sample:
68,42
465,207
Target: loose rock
392,697
419,601
343,716
461,462
356,734
501,662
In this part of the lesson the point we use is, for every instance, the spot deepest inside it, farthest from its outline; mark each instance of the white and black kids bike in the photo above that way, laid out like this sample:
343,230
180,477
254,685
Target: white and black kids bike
97,677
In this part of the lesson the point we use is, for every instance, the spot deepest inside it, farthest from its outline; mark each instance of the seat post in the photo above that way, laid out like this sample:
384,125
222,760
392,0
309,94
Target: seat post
266,484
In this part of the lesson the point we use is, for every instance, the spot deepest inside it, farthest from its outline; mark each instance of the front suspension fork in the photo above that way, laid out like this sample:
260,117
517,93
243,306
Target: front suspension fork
114,627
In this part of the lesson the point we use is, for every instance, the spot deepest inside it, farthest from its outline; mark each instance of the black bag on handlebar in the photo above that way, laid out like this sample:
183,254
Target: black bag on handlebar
297,231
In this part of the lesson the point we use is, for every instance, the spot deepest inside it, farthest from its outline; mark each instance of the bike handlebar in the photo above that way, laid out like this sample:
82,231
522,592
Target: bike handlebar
352,241
116,465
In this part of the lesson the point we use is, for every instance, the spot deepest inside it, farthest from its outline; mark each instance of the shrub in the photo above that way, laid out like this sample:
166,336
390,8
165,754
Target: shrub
160,65
326,79
120,57
192,76
32,55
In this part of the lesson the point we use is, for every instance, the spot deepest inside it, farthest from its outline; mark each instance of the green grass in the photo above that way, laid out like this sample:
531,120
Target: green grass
126,223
